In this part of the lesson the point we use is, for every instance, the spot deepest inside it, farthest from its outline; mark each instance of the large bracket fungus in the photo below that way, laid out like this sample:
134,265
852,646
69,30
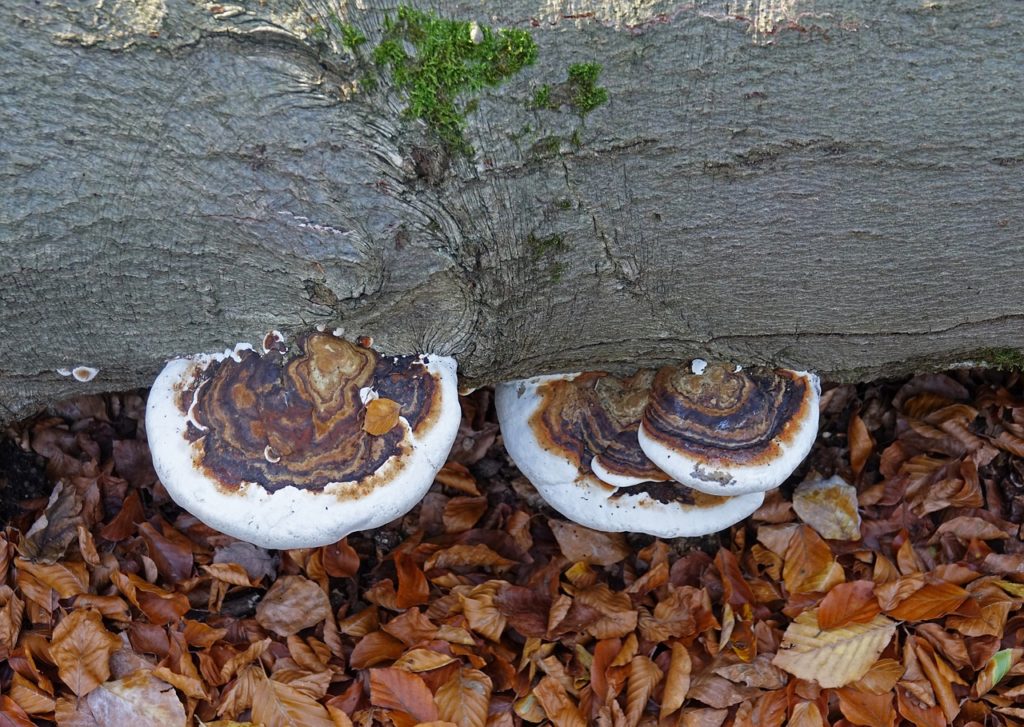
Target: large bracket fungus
574,436
728,431
301,445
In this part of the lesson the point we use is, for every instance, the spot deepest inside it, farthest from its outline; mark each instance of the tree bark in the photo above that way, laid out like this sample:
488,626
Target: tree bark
818,185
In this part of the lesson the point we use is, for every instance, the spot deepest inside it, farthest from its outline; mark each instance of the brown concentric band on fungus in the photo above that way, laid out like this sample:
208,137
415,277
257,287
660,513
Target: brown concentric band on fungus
304,444
728,430
308,410
597,415
575,439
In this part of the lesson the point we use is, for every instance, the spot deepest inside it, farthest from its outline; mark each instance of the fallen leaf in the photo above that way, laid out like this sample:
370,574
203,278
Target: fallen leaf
402,692
458,477
462,513
139,700
54,530
996,668
476,555
464,699
292,604
677,680
644,676
279,705
12,715
381,416
418,660
805,714
861,444
852,602
81,649
809,563
830,507
836,657
413,588
934,598
865,708
580,544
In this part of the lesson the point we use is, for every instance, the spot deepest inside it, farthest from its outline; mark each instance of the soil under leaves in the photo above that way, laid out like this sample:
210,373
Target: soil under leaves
890,596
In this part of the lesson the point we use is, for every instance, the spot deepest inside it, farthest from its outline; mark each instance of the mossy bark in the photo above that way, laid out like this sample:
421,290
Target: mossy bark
833,186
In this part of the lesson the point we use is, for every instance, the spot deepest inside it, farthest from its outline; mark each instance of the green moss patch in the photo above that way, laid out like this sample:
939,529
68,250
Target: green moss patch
437,62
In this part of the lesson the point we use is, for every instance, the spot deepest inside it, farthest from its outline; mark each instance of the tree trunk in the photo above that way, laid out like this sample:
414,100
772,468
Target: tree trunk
832,186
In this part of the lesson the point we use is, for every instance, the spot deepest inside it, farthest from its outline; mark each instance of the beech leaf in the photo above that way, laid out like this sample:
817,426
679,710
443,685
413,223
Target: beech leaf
835,657
81,649
464,699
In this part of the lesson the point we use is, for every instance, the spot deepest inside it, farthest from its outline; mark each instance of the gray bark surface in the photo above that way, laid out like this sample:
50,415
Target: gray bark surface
833,186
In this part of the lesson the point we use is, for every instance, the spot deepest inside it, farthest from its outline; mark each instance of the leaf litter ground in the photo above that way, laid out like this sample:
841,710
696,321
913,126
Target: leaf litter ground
888,594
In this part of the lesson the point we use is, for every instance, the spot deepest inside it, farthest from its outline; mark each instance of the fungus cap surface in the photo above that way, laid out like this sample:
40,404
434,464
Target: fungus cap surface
276,449
730,431
574,437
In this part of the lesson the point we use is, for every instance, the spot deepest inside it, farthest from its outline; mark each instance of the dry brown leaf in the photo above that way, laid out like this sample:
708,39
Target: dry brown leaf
50,535
413,588
836,657
29,696
935,598
464,699
830,507
852,602
760,673
805,714
231,573
703,717
12,715
580,544
11,610
644,676
418,660
138,700
881,678
375,648
483,616
279,705
966,528
677,680
402,692
81,649
862,445
381,416
293,603
458,477
917,711
476,555
809,564
864,708
556,704
462,513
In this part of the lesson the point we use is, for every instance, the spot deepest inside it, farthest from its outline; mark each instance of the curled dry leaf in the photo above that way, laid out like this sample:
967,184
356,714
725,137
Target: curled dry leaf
846,603
861,444
677,680
836,657
81,649
865,708
381,416
279,705
464,699
403,695
830,507
809,564
138,700
293,603
580,544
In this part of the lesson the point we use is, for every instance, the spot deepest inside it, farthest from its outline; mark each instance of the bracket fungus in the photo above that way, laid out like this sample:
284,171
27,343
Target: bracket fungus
304,444
729,431
574,437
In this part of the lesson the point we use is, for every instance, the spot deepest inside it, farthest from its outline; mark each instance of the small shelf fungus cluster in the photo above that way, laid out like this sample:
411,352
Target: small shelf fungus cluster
684,451
301,444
